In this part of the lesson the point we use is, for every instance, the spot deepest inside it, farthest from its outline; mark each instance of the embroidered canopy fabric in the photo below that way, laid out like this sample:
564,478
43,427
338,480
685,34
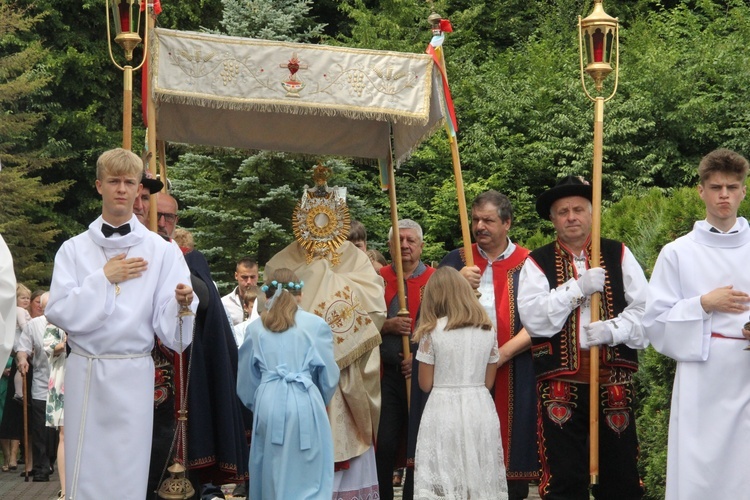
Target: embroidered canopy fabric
314,99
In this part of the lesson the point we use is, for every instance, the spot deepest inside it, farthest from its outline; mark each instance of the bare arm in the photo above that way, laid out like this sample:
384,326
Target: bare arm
426,376
515,346
489,375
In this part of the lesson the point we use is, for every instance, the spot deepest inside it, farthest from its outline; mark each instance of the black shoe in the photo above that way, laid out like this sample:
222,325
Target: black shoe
41,479
23,474
240,490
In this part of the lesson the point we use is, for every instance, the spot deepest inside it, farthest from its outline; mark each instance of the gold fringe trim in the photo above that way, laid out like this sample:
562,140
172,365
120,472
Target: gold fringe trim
365,347
297,108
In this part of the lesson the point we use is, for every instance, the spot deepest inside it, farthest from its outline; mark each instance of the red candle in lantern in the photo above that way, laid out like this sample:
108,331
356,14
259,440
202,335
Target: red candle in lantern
124,17
598,39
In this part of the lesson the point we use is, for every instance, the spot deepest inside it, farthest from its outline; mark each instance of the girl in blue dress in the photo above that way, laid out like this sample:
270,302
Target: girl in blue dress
286,376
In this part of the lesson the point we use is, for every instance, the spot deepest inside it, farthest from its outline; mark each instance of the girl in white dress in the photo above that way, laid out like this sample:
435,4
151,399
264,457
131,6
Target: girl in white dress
459,455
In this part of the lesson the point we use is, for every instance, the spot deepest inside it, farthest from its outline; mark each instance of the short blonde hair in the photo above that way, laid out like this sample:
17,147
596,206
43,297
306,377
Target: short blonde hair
22,289
449,295
251,293
119,161
184,238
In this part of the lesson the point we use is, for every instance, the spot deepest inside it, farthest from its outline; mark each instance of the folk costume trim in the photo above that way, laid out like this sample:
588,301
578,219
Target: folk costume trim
560,355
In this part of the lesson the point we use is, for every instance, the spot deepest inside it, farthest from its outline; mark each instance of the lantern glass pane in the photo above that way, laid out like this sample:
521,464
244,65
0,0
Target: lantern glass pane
587,44
115,5
610,40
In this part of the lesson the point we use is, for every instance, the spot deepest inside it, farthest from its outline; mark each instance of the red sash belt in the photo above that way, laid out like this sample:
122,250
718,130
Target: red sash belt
720,336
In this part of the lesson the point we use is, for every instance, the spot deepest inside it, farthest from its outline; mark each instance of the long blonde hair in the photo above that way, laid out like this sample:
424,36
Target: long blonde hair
280,317
449,295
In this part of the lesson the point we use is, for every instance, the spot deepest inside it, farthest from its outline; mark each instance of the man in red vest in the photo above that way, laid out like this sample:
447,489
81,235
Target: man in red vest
394,413
495,274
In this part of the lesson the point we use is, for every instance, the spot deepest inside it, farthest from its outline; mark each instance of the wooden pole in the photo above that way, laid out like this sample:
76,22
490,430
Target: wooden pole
462,208
127,108
151,130
596,221
25,428
403,311
161,146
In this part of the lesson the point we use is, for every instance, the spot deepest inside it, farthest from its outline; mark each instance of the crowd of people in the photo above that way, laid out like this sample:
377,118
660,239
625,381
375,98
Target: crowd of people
342,368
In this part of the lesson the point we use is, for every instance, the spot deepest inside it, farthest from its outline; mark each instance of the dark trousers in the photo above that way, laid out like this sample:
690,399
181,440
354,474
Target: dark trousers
41,438
564,448
518,489
394,419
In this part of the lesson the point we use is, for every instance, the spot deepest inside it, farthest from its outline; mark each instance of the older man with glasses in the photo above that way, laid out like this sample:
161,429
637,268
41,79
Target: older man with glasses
166,207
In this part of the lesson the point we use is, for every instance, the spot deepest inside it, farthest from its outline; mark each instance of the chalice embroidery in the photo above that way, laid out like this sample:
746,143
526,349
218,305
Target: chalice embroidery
747,327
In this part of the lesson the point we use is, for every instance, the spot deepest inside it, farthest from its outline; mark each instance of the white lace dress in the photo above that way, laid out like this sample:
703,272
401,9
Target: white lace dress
459,455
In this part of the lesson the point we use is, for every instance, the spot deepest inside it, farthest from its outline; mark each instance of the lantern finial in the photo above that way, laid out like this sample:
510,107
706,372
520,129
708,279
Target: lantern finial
598,32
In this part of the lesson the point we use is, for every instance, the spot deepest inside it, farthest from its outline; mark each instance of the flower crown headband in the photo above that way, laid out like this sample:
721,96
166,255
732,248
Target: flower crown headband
290,286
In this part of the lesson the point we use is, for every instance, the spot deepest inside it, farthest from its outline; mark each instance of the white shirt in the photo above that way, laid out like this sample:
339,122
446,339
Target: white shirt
486,282
544,311
233,306
31,342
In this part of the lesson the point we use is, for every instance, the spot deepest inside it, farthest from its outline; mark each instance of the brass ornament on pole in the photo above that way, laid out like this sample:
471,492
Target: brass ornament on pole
126,17
598,38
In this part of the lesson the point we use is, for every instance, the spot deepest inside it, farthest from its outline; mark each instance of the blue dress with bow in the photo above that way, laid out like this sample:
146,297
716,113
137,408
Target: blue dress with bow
287,379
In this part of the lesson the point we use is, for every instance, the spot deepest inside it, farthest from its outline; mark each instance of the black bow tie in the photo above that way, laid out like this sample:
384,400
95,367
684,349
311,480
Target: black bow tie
108,230
714,230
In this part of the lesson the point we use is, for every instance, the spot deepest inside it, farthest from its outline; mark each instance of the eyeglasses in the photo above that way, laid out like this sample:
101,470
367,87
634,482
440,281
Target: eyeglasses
167,217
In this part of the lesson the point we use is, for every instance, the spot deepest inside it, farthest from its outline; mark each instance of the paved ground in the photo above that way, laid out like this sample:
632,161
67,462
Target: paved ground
14,487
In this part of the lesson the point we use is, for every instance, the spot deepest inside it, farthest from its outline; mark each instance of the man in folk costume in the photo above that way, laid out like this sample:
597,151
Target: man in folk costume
394,414
497,265
696,313
113,287
555,289
342,287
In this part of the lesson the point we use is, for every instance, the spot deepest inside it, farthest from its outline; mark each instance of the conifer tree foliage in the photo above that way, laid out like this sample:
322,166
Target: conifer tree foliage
285,20
26,202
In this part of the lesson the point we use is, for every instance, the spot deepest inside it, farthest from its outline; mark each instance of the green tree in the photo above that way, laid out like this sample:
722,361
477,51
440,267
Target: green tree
286,20
27,202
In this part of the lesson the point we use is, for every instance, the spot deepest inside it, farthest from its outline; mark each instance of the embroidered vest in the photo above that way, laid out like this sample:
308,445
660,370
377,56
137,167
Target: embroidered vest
560,355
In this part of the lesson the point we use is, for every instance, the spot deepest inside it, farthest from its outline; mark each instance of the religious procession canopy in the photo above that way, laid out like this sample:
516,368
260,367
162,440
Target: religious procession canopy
300,98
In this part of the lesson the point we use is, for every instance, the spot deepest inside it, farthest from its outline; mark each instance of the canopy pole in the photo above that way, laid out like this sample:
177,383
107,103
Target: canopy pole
439,58
150,130
596,216
403,311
